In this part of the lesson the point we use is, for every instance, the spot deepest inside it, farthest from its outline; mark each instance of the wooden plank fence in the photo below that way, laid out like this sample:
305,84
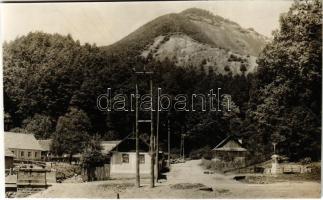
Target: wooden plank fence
97,173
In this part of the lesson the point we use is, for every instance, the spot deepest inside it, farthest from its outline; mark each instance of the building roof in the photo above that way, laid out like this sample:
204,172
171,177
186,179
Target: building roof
8,153
45,144
128,144
109,145
230,143
21,141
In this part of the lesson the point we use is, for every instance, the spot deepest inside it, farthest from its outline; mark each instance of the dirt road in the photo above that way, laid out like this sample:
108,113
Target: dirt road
184,173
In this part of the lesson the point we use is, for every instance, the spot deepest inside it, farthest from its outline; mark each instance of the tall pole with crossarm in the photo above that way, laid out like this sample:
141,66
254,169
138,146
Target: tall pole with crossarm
152,138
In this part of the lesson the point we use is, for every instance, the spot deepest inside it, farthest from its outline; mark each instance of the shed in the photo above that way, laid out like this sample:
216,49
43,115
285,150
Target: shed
230,150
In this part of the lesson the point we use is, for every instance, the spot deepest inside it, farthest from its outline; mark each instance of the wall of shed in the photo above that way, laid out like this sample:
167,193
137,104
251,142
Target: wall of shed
229,155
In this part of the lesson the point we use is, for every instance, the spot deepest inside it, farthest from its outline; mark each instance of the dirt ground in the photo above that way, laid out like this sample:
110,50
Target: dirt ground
187,174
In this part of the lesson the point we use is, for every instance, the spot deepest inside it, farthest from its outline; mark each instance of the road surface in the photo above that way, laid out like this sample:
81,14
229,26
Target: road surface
189,172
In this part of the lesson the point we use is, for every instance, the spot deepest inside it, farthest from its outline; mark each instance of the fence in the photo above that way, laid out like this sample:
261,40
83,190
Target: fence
96,173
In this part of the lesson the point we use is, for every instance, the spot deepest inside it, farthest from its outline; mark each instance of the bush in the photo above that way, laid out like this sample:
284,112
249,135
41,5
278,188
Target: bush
65,170
306,160
219,165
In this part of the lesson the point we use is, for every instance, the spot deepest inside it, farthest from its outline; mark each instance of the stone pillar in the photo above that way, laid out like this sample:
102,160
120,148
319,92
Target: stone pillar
275,168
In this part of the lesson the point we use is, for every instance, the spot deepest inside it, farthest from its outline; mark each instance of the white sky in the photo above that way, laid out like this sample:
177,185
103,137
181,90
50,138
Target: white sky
107,22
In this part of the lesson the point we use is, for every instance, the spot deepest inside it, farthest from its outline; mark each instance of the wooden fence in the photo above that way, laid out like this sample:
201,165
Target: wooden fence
96,173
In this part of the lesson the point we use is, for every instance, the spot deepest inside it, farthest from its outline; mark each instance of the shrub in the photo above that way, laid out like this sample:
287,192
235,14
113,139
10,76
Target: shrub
219,165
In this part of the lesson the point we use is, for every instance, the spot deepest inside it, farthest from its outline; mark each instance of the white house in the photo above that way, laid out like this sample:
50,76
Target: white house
123,157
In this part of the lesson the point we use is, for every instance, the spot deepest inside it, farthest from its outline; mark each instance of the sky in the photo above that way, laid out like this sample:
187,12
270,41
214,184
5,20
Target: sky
107,22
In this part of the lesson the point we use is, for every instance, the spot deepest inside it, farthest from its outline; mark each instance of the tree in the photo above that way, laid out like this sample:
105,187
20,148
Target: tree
41,126
93,157
72,133
288,85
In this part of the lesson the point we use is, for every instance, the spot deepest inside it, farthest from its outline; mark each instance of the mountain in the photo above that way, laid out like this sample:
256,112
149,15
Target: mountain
195,37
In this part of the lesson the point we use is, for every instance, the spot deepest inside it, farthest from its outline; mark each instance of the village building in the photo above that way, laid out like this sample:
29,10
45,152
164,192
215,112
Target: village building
46,154
23,146
123,158
231,150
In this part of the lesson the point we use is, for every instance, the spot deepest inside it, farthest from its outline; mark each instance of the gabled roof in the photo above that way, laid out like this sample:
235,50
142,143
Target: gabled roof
128,144
45,144
109,145
21,141
234,146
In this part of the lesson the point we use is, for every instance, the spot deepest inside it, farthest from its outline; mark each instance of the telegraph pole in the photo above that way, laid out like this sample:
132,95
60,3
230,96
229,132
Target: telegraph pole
137,143
152,170
157,140
184,148
152,138
168,142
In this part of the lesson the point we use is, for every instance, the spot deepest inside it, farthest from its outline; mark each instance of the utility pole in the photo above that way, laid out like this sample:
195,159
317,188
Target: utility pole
168,142
157,141
152,138
152,170
137,143
184,148
152,143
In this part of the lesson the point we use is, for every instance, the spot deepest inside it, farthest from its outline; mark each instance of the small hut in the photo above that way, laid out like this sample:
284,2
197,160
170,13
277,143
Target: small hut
230,150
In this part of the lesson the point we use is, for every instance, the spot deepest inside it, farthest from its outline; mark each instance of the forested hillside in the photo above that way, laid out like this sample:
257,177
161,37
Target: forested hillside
51,84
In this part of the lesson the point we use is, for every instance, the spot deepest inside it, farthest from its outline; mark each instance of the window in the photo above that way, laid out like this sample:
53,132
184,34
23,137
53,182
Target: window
22,154
29,154
36,154
142,158
125,158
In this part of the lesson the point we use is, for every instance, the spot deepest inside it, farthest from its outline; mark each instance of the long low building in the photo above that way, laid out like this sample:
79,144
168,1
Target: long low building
24,146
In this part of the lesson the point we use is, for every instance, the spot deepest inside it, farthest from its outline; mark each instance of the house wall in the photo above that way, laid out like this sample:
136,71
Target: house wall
121,169
26,154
